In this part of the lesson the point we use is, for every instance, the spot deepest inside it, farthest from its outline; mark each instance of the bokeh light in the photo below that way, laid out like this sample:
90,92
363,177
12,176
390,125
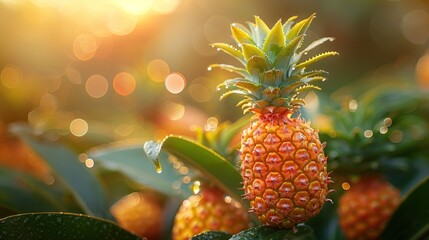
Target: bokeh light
96,86
414,26
158,70
175,83
11,76
345,186
121,23
84,47
78,127
73,75
136,7
201,90
124,84
165,6
48,103
89,163
174,111
422,71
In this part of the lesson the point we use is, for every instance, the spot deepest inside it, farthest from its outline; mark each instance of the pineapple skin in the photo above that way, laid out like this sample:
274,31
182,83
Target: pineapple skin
209,210
284,170
365,209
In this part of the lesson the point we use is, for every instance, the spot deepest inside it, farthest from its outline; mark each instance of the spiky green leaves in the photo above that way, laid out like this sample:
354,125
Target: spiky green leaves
272,73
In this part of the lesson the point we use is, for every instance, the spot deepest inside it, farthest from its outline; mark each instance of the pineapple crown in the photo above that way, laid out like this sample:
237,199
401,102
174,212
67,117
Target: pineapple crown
365,137
273,75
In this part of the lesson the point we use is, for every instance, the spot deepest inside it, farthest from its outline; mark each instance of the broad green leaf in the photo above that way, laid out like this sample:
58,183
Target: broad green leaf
411,219
17,187
131,160
65,164
63,226
268,233
232,130
212,235
211,165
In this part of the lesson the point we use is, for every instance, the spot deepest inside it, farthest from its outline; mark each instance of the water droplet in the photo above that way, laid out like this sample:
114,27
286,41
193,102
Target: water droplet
226,87
218,89
218,49
305,53
209,68
196,187
158,167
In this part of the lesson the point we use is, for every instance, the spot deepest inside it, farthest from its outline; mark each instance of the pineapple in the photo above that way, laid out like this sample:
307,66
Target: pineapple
140,213
283,164
209,210
371,194
374,144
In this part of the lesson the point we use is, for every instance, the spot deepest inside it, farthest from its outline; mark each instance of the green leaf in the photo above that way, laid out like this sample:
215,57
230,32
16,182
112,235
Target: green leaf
275,41
65,164
250,50
283,58
315,59
268,233
288,24
300,28
211,165
256,65
240,71
413,212
232,130
317,43
17,187
259,31
131,160
232,51
240,35
60,226
212,235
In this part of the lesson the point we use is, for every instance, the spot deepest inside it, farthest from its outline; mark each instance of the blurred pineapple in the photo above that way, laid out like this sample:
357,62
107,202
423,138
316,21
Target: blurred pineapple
15,154
140,213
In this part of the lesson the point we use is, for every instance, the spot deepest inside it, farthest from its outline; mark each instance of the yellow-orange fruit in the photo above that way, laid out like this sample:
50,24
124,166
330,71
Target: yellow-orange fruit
209,210
140,213
365,209
284,170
